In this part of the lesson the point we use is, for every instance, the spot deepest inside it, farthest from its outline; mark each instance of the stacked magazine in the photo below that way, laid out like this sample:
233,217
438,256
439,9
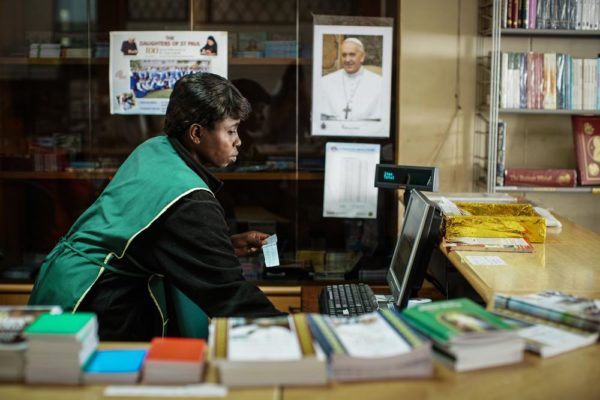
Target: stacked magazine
13,321
551,322
379,345
266,351
58,345
114,366
466,336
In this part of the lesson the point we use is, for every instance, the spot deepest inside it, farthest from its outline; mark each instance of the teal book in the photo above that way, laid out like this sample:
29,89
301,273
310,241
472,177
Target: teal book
452,320
118,366
62,326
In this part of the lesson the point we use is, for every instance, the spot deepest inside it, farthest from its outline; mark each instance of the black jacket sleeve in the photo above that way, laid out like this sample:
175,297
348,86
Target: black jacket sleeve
191,247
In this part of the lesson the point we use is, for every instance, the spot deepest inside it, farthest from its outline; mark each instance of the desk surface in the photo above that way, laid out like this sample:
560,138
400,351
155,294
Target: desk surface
569,261
572,375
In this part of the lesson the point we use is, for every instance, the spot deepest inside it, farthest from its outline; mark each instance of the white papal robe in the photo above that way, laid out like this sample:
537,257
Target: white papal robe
351,97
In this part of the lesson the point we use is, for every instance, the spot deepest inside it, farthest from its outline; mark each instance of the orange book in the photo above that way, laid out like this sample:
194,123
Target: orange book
176,350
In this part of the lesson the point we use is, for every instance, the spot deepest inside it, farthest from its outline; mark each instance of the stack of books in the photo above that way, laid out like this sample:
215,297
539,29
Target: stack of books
465,336
378,345
13,321
114,366
551,322
266,351
58,345
175,360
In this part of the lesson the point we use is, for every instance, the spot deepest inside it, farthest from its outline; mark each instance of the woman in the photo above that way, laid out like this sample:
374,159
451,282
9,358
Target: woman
157,228
210,48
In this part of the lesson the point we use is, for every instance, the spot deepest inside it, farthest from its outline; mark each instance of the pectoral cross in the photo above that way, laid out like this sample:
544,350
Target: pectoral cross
347,110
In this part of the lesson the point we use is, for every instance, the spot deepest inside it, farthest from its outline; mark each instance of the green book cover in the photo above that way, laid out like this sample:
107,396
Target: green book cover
446,320
60,324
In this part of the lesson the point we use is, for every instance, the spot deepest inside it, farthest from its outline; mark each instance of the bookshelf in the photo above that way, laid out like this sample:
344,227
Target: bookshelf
534,138
66,99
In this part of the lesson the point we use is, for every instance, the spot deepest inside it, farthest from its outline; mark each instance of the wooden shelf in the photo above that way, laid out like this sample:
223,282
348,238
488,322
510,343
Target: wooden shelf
104,61
579,189
52,61
549,32
547,112
106,174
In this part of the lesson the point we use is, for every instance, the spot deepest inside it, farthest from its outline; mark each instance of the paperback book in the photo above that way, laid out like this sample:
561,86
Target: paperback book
465,336
114,366
513,245
58,346
13,321
379,345
547,338
266,351
578,312
175,360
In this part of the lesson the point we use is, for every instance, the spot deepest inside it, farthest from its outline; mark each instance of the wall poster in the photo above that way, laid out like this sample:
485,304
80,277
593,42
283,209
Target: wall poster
352,77
144,66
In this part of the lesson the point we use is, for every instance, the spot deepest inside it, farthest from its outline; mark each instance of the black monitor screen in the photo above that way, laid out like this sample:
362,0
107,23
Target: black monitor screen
410,243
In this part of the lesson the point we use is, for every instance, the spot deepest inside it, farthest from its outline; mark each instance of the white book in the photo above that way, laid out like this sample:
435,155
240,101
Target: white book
266,352
550,81
589,83
577,84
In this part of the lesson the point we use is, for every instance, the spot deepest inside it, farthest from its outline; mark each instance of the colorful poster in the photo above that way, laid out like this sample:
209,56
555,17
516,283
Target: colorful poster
144,66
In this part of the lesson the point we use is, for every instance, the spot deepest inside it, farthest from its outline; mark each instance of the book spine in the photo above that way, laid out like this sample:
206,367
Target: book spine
220,341
506,302
501,156
305,339
325,335
401,328
540,177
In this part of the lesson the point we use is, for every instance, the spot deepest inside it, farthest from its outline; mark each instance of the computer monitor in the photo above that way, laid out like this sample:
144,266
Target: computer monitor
413,248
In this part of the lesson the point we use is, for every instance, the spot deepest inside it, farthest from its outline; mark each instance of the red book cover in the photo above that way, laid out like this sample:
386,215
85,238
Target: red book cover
540,177
176,350
586,132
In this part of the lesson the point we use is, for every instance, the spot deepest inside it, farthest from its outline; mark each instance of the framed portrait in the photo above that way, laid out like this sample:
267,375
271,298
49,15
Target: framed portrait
352,80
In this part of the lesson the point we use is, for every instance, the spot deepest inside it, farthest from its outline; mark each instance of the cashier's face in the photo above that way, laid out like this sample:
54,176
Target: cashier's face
217,147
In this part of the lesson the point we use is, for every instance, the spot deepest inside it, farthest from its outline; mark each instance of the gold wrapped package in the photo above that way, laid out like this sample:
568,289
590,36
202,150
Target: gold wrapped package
496,220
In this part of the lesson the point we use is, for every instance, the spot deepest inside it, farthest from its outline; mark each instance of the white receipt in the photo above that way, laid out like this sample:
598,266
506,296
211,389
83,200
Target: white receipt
203,390
270,251
485,260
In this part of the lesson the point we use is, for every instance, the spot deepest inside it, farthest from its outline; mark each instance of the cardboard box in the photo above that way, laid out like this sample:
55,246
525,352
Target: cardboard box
496,220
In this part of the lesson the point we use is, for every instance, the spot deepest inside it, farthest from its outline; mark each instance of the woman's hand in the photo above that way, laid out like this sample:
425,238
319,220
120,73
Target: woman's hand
248,243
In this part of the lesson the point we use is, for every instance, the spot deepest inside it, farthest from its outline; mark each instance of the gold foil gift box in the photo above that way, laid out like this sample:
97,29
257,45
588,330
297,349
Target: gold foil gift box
496,220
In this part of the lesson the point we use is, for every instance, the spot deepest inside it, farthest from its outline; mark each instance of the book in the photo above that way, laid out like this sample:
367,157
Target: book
586,134
501,153
266,351
547,338
114,366
13,321
579,312
174,360
513,245
465,336
379,345
540,177
58,345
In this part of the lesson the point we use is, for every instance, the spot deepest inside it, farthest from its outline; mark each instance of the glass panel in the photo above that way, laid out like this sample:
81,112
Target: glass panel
59,144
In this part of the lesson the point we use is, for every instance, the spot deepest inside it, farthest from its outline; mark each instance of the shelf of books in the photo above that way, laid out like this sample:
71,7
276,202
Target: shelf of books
537,87
107,173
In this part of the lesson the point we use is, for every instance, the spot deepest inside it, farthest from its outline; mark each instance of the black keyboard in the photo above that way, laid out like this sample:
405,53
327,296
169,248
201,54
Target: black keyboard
347,300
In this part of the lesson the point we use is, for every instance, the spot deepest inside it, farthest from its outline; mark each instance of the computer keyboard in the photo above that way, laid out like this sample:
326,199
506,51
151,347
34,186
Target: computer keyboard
346,300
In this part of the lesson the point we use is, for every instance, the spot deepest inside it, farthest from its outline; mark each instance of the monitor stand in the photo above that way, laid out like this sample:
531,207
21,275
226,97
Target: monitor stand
387,301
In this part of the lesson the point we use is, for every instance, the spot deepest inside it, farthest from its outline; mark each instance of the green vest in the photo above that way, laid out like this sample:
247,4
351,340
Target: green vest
152,179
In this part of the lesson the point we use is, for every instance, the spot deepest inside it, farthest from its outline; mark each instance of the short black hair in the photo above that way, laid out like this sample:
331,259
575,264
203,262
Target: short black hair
205,99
